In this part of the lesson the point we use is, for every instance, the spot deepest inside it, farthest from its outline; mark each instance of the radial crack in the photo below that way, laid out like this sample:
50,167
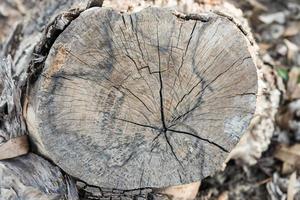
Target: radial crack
138,124
172,150
161,85
200,138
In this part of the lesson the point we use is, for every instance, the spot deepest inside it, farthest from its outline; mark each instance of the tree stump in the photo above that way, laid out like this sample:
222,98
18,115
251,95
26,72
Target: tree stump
149,99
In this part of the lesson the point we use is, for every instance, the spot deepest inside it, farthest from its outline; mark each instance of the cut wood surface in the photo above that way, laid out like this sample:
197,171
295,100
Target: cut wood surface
143,100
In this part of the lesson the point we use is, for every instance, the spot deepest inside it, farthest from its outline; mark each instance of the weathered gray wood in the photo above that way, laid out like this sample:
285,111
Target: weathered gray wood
13,141
31,177
143,100
24,46
27,177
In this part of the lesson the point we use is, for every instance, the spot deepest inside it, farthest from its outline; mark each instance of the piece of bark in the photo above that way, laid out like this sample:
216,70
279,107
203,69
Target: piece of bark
182,192
270,89
13,139
143,100
261,129
31,177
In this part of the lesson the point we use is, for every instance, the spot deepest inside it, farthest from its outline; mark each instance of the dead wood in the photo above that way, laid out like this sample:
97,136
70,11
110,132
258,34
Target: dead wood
31,177
131,95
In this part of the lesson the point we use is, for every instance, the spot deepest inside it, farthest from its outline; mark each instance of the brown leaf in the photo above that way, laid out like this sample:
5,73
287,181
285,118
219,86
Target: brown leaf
287,168
257,5
223,196
290,154
264,46
293,86
292,187
292,29
181,192
292,49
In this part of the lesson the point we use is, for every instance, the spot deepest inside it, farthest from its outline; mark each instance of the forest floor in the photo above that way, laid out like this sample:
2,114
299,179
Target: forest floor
276,28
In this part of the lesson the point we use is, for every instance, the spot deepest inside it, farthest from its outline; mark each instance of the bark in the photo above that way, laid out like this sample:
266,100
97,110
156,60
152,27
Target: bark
18,53
13,141
31,177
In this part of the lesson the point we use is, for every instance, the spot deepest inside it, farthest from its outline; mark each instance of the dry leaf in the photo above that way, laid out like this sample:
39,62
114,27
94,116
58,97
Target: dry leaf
293,86
292,187
292,49
264,46
287,168
257,5
290,154
223,196
181,192
292,29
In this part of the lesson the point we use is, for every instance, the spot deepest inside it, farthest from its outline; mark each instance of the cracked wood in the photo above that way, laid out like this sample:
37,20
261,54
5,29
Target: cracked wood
141,100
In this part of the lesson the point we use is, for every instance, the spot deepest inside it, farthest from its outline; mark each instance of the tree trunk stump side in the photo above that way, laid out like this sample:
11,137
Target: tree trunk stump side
270,89
146,87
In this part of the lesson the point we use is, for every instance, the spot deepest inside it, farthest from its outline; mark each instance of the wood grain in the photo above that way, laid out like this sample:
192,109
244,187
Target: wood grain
143,100
14,147
13,139
31,177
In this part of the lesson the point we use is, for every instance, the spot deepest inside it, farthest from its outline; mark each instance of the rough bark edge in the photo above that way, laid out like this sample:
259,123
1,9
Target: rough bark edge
261,129
13,141
40,53
30,177
22,51
13,77
41,49
258,136
182,192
